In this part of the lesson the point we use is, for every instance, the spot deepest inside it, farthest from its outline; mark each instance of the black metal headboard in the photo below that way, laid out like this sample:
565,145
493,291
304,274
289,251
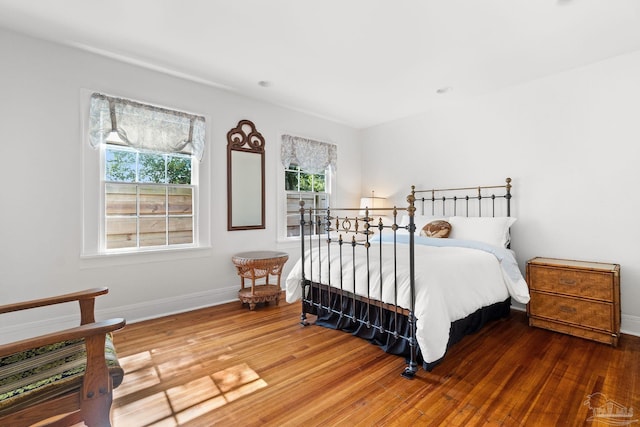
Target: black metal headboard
447,201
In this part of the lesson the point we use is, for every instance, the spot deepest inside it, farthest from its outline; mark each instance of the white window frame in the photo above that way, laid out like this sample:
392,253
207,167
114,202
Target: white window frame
103,226
93,202
326,193
330,186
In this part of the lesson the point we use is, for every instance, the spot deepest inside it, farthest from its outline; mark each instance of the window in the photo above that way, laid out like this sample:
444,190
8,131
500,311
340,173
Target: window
311,188
148,199
144,181
309,168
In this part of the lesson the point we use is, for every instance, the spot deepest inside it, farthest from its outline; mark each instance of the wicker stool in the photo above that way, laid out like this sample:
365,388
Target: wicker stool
256,265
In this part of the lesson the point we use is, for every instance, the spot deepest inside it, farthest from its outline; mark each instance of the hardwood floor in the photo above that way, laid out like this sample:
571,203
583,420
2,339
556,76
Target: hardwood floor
227,365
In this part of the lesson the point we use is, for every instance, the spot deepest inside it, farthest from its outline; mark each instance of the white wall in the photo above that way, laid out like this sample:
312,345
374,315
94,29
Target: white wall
41,202
571,144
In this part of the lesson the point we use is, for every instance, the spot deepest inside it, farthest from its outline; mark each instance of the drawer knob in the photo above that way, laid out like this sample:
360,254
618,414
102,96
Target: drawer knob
567,309
569,282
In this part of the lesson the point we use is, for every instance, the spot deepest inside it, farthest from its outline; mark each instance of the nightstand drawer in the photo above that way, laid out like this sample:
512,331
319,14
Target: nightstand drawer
585,284
590,314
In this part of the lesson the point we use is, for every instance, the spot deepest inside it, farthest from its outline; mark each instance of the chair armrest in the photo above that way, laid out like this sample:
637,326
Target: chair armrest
86,299
76,296
82,331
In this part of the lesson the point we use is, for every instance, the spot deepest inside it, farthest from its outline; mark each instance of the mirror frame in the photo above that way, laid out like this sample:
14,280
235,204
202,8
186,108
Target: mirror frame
244,138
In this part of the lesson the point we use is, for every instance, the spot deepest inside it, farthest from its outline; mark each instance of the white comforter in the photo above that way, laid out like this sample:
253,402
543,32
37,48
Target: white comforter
452,281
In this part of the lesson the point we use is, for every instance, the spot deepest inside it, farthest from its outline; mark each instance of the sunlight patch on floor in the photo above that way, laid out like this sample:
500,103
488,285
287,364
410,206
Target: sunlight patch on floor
135,361
142,392
234,376
181,397
129,415
136,380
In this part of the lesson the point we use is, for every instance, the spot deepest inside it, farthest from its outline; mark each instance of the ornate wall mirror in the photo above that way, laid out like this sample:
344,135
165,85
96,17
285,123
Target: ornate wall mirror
245,177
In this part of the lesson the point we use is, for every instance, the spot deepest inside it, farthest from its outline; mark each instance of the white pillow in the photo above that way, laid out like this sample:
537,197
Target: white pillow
491,230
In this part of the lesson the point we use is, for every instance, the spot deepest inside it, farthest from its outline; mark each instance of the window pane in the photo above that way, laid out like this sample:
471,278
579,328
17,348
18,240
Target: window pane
312,188
152,168
149,198
311,200
153,200
178,170
318,182
180,201
180,230
120,165
293,215
121,233
322,201
305,182
291,180
120,199
153,231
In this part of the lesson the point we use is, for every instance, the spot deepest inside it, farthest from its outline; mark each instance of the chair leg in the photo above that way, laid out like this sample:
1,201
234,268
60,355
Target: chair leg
97,411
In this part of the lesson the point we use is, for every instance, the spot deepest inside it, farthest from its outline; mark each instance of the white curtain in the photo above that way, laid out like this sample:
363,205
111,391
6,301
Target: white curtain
311,156
145,127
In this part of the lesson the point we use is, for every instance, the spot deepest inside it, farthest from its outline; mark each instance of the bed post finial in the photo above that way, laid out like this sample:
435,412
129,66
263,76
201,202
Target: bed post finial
508,195
411,198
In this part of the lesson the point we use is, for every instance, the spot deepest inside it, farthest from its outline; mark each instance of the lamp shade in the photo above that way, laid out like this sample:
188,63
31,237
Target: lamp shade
367,202
371,202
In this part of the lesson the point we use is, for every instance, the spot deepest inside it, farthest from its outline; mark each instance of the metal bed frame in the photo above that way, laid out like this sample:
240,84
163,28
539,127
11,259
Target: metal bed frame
317,298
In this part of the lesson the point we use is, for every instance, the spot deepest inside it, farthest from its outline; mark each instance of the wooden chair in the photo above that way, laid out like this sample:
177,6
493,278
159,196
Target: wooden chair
64,377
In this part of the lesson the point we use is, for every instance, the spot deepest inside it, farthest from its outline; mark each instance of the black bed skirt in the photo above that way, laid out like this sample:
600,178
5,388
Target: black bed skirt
388,319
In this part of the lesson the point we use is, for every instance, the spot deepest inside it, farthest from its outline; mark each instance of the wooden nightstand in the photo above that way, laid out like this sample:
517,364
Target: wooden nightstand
575,297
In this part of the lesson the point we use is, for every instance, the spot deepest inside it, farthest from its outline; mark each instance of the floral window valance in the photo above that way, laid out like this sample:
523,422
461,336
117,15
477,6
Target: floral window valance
145,127
311,156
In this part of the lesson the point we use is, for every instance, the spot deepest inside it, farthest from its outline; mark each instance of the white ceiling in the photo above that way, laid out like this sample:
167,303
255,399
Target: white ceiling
359,62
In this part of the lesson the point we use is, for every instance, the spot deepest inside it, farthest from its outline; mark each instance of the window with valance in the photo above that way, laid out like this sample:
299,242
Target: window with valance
145,127
311,156
149,185
309,169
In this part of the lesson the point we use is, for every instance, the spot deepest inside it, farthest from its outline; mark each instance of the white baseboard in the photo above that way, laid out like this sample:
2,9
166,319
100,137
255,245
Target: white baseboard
167,306
132,313
518,306
21,330
630,325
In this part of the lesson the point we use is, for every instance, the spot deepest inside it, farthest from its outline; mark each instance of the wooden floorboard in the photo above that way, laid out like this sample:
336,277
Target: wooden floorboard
226,365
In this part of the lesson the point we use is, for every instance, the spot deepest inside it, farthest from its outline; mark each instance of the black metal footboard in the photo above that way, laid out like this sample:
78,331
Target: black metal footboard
348,296
346,245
